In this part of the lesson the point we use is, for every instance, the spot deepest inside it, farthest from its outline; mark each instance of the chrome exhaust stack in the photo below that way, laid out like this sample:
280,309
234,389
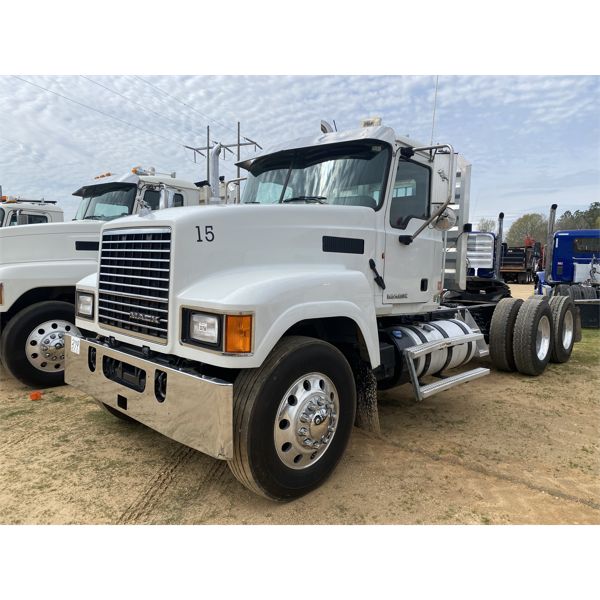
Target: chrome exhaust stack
550,243
499,245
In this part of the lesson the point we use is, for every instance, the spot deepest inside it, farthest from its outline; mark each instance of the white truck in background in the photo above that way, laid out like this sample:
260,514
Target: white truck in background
40,265
259,330
20,211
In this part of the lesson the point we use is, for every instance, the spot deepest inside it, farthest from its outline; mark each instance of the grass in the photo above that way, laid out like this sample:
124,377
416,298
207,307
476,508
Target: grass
587,352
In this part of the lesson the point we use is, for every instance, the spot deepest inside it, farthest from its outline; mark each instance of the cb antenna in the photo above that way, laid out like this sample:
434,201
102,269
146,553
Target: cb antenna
434,105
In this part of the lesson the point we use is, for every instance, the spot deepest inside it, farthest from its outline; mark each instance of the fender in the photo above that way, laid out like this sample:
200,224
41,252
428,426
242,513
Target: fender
20,278
280,299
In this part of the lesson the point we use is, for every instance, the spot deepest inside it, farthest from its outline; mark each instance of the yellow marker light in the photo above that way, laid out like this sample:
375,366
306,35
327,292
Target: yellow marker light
1,294
238,333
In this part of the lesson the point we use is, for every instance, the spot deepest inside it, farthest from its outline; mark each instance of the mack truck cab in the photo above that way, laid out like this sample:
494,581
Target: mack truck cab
259,332
40,265
17,211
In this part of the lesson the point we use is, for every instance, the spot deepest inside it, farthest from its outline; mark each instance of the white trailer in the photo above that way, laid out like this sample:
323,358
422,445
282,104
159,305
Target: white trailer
40,265
258,332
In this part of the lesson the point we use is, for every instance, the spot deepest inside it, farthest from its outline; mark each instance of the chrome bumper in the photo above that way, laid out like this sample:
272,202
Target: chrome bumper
196,411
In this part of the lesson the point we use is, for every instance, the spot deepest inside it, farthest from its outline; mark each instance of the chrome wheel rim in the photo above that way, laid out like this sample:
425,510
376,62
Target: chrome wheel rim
45,345
567,332
306,421
542,338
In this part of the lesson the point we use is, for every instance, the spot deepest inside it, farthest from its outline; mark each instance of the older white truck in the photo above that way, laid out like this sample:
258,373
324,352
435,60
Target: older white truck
40,265
257,332
18,211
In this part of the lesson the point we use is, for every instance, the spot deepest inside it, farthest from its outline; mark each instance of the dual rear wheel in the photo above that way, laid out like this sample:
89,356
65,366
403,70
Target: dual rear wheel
526,335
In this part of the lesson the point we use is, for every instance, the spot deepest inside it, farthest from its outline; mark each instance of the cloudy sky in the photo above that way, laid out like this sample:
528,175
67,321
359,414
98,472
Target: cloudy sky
532,140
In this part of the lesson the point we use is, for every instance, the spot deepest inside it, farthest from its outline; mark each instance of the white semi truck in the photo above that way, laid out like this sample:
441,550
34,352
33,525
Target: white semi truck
20,211
257,332
40,265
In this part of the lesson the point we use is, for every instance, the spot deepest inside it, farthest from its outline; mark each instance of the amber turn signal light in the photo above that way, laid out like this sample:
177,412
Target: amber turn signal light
238,333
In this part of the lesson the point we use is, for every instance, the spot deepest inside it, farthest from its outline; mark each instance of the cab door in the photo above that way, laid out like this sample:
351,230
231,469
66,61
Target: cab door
412,272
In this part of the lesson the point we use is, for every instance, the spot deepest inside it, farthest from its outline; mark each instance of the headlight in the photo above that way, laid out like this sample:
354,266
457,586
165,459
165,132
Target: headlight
84,306
204,328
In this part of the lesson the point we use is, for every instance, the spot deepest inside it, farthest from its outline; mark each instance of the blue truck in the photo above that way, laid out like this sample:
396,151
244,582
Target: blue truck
572,268
575,257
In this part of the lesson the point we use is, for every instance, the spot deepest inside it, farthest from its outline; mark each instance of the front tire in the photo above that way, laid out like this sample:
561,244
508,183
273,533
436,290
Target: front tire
292,418
119,415
32,345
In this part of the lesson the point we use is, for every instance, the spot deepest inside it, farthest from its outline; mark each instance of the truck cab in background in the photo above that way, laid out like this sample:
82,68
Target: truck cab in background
576,257
40,265
573,269
17,211
483,261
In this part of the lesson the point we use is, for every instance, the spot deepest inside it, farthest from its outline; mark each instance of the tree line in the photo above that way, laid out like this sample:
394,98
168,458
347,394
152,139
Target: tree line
535,225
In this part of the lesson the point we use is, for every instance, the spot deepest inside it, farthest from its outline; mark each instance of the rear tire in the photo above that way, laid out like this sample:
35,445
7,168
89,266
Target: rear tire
576,292
304,385
501,333
560,290
589,293
563,325
533,337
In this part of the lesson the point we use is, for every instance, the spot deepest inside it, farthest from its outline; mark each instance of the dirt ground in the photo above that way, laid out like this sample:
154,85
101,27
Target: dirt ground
501,449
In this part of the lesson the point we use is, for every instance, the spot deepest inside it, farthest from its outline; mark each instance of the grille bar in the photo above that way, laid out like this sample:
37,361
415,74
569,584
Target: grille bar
162,310
126,295
133,289
132,268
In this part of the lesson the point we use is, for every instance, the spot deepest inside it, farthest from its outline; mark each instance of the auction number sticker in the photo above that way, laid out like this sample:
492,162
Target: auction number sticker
75,342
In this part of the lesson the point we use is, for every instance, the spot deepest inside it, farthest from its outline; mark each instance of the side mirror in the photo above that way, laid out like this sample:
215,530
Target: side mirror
447,220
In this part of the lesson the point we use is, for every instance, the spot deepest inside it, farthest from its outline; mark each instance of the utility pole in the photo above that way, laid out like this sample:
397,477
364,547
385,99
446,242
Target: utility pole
205,151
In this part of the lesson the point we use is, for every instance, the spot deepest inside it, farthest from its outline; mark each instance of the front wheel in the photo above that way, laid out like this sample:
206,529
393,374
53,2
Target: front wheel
292,418
32,345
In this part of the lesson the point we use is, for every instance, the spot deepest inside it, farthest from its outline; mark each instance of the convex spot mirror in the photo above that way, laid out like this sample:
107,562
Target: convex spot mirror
447,220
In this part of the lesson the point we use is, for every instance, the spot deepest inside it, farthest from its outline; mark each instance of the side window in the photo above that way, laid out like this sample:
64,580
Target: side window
410,199
33,219
177,200
152,198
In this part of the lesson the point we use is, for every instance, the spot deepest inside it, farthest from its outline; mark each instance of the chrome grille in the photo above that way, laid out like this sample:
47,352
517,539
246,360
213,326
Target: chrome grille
133,288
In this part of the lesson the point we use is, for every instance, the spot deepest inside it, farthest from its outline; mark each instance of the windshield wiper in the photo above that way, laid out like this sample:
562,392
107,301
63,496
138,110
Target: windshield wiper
307,199
93,218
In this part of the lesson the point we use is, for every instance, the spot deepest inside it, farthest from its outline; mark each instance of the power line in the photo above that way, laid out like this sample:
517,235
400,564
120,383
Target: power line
204,115
130,100
123,121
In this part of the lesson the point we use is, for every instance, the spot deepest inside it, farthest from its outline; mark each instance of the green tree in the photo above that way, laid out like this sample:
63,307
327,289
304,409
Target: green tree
580,219
531,225
486,225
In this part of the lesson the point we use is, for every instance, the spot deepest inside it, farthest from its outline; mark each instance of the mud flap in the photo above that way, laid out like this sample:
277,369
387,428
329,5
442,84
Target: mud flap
367,415
577,324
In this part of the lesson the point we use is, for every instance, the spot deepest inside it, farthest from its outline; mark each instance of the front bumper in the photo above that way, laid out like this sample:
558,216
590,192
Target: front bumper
196,411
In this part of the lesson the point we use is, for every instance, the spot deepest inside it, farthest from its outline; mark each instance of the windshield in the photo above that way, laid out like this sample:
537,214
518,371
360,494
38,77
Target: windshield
349,174
105,204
